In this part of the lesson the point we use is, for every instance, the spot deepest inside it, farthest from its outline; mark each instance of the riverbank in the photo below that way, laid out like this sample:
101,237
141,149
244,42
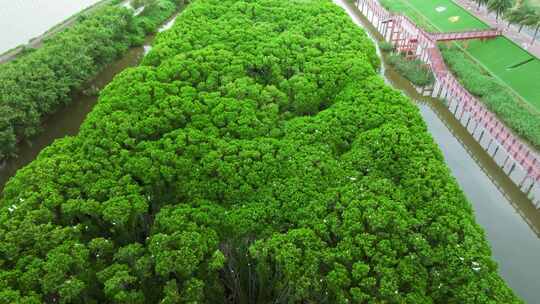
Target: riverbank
67,121
259,156
520,161
511,222
65,64
35,42
498,71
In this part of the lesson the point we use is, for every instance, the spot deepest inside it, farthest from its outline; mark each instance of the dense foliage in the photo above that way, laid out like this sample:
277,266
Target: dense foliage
518,115
415,70
39,82
255,157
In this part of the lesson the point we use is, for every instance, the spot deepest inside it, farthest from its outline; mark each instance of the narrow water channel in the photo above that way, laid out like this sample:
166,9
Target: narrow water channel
67,120
510,221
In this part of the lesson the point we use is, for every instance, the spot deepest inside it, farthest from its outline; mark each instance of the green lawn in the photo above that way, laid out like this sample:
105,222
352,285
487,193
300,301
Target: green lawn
496,55
441,20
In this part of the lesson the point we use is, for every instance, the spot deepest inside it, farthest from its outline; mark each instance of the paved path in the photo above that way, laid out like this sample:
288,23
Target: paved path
523,39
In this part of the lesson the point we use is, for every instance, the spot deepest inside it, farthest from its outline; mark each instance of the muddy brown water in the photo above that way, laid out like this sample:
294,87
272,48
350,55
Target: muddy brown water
506,214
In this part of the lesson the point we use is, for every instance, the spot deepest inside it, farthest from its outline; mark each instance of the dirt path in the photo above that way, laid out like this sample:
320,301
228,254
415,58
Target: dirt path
522,39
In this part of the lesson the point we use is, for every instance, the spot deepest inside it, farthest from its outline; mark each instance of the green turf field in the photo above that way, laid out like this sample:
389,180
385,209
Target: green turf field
496,55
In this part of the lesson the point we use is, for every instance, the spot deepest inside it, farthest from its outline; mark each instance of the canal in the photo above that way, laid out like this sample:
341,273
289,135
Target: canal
22,20
67,120
508,217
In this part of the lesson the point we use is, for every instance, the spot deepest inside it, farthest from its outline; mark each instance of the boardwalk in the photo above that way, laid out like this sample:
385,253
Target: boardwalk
455,36
517,160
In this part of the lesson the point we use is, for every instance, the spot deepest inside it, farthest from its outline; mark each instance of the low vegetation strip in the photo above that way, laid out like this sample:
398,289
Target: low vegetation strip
518,116
482,65
255,157
415,71
34,42
41,81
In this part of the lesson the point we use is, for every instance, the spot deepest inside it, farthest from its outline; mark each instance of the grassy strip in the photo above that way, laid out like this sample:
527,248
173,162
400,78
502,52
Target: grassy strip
87,10
414,70
401,6
25,48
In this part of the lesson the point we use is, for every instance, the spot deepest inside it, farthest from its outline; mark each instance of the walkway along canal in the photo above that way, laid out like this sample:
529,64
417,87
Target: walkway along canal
511,222
520,161
67,120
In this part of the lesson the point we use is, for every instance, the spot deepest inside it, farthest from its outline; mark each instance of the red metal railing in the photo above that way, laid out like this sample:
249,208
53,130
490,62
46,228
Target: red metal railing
409,35
478,34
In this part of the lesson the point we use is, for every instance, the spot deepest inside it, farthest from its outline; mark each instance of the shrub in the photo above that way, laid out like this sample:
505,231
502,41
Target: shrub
386,46
415,70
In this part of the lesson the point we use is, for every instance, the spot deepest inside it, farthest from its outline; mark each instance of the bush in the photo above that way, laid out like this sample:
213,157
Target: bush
386,46
415,70
255,157
155,13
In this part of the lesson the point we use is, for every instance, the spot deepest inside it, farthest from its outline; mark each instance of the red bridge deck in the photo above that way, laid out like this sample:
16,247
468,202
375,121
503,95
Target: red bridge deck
480,34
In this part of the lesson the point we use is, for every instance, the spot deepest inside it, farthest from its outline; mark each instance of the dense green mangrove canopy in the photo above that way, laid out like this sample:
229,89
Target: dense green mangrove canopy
255,157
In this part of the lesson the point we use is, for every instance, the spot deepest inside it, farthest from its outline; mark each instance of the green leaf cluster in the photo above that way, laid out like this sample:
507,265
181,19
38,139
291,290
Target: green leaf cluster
415,70
255,157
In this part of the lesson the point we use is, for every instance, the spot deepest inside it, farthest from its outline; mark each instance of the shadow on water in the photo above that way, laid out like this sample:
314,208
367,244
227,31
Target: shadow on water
510,220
